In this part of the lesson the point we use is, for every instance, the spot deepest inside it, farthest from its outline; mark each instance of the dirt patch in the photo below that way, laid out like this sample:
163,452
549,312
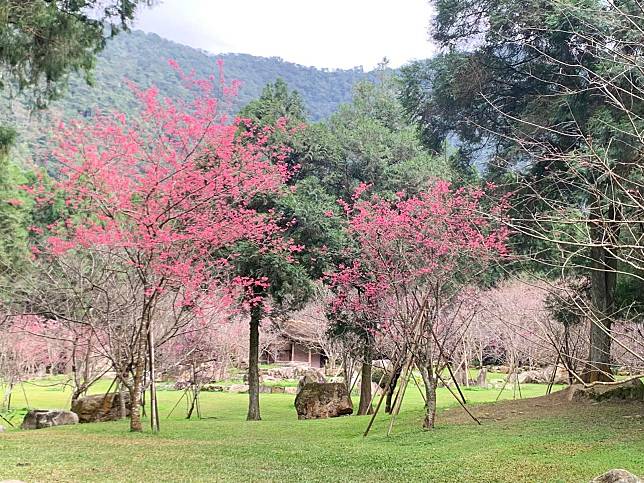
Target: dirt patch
554,404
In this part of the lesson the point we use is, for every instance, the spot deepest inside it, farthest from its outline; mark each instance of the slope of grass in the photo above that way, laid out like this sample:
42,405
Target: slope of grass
574,444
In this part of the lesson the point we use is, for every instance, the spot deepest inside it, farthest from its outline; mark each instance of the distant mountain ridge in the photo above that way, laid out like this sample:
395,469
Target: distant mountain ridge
143,59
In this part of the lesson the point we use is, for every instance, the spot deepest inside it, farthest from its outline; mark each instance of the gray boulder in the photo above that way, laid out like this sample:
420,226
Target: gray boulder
101,407
632,390
311,375
2,430
323,400
38,419
617,476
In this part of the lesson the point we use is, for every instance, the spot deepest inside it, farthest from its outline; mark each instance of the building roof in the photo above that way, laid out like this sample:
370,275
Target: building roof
306,332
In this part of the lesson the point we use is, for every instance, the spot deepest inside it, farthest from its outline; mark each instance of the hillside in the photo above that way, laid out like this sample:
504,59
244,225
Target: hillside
144,59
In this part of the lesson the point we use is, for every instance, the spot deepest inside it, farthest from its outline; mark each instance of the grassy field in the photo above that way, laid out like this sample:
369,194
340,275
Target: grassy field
529,440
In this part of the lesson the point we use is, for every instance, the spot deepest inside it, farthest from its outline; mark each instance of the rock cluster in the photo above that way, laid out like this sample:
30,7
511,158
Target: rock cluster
541,376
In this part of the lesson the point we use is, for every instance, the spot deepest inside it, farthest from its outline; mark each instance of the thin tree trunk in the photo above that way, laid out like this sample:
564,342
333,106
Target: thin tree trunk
391,388
122,406
253,365
430,396
365,382
137,385
154,409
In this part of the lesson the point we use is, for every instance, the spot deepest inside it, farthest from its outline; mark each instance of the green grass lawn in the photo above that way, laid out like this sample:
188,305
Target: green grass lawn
574,444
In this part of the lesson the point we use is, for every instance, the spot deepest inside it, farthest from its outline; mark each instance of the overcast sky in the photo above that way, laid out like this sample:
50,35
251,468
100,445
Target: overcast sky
329,33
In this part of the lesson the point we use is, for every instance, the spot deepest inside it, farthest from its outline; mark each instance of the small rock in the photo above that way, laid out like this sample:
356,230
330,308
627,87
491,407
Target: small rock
38,419
238,388
2,430
617,476
212,388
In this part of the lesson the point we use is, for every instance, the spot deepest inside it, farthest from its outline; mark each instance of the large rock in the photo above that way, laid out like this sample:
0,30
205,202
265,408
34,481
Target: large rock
560,375
38,419
101,407
323,400
617,476
311,375
238,388
528,377
632,390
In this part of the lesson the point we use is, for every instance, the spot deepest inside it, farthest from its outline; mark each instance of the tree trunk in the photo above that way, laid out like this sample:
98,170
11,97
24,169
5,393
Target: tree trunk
253,365
137,386
154,408
122,407
6,400
365,383
430,396
391,388
603,283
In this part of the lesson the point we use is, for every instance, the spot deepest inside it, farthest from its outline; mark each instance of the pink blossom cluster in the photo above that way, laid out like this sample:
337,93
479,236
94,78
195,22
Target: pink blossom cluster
412,244
172,189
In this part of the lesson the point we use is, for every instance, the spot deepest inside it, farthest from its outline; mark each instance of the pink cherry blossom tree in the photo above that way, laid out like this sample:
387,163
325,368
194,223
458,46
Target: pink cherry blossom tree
166,193
415,262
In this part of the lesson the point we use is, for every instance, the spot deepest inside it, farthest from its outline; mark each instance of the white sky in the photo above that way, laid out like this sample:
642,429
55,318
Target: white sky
322,33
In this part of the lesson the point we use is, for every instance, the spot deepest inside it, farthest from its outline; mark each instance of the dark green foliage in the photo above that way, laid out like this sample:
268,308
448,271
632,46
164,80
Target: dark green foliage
373,142
550,95
7,138
289,286
15,212
42,41
275,102
315,225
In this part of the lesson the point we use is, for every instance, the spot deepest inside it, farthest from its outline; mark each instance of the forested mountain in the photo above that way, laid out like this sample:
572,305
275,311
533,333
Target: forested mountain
144,59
